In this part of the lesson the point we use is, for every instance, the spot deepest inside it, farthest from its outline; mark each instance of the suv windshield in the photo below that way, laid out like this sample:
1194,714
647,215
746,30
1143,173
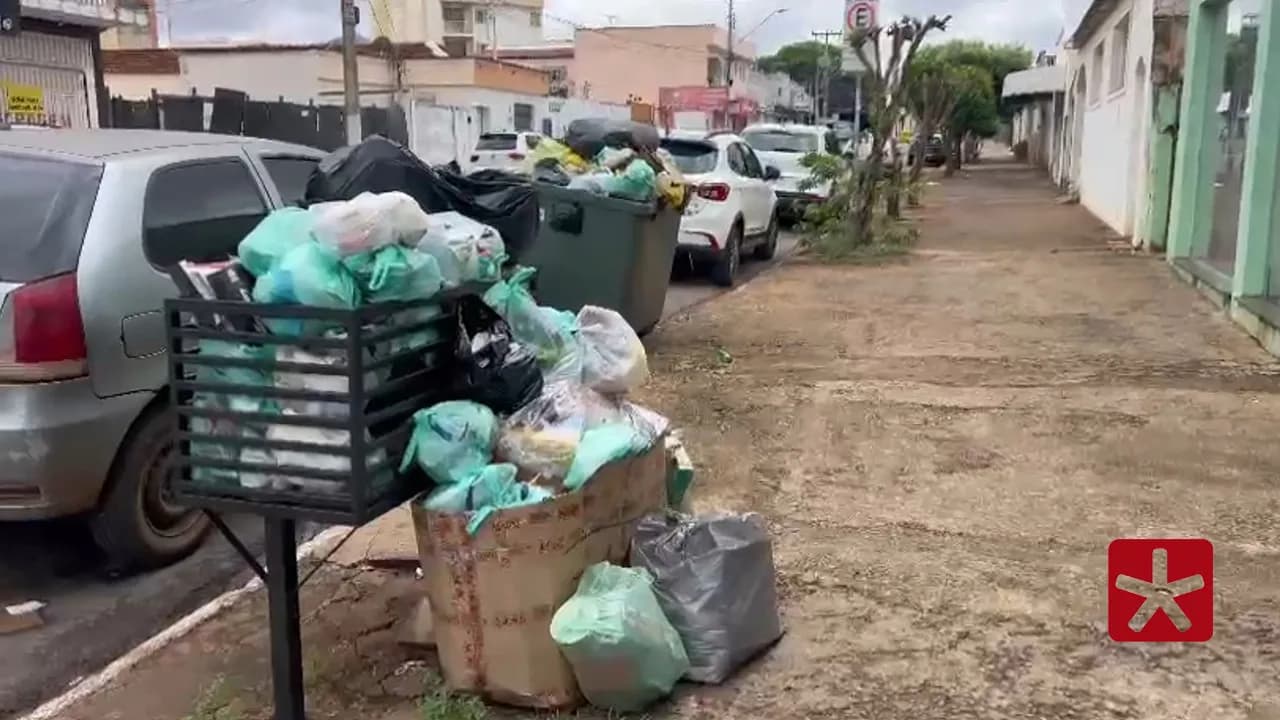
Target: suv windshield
496,142
782,141
693,157
46,205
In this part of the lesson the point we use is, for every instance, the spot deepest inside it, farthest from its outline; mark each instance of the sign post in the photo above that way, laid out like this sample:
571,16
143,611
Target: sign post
859,16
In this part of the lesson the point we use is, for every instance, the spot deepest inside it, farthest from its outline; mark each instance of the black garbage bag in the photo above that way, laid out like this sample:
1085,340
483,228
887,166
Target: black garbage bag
589,136
493,369
508,204
549,171
715,580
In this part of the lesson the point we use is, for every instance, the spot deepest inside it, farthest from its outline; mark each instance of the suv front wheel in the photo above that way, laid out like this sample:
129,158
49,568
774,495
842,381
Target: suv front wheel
138,524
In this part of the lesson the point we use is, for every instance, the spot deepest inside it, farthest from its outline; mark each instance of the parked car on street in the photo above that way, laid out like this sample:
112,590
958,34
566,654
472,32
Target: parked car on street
93,220
784,147
935,151
504,151
733,209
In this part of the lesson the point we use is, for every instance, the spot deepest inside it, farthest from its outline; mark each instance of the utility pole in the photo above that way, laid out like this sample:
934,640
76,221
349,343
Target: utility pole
822,91
728,70
351,70
493,29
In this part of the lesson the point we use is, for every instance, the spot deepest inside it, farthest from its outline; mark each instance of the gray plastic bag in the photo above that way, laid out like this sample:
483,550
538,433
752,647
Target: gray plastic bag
715,580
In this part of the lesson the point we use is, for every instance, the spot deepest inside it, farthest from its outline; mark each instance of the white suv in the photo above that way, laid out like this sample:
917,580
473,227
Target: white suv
733,208
784,146
505,151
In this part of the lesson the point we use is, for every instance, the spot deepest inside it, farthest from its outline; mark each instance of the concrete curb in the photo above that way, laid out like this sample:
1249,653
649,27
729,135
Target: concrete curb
88,686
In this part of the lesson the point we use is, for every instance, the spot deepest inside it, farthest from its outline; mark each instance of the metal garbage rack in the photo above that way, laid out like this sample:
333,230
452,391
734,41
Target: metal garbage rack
386,361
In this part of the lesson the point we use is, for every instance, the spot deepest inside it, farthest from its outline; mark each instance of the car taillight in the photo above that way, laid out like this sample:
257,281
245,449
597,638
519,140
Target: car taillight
48,332
717,192
516,156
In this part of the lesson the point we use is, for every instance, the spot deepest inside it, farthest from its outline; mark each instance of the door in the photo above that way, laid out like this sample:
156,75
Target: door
749,180
195,208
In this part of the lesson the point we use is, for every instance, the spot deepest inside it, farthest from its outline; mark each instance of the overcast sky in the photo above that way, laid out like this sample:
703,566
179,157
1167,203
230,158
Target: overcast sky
1035,23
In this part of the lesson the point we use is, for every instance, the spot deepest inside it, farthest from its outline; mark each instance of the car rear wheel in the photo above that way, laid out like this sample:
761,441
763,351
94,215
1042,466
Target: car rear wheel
767,249
138,524
725,272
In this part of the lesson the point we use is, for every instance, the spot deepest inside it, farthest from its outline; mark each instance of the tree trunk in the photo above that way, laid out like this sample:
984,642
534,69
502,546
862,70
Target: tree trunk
918,148
953,153
866,194
971,148
893,189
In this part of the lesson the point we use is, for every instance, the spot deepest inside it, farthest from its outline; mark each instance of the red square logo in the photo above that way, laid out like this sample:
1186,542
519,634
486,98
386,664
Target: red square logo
1160,590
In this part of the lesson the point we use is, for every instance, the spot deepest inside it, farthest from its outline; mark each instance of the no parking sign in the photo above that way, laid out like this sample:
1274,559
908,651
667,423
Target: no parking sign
860,15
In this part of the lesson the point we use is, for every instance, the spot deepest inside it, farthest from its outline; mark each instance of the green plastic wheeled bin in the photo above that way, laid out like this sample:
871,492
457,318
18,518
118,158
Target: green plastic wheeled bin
603,251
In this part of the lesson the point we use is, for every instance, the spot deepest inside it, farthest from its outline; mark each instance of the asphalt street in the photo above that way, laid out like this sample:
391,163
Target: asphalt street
92,618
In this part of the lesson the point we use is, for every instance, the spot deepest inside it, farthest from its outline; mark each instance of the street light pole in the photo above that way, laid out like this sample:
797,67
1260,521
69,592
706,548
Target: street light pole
728,72
351,71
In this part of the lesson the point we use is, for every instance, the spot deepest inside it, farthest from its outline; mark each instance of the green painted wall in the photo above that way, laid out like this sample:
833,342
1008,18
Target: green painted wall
1164,123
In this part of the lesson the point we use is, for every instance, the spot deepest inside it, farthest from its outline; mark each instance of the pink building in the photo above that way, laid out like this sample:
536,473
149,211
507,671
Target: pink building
631,64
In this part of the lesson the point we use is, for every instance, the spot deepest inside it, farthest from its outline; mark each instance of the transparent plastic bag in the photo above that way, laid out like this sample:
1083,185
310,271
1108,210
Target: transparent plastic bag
367,222
542,438
465,250
624,653
613,358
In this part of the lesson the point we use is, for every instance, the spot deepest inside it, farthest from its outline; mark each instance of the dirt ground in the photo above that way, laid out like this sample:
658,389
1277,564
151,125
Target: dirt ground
944,447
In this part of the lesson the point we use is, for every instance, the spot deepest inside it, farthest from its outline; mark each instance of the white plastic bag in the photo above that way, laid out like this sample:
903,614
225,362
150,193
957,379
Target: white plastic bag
368,221
466,250
614,361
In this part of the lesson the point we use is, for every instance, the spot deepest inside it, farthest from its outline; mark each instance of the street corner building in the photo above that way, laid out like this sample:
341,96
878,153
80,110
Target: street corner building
51,59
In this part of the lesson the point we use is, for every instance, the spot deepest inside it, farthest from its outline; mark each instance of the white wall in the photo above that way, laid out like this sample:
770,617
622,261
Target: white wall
446,122
1116,125
300,76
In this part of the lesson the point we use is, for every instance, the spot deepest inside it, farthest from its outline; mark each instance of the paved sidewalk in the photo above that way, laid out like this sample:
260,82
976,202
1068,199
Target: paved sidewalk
944,447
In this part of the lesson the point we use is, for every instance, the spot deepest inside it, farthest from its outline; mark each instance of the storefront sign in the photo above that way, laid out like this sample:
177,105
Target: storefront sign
23,101
693,98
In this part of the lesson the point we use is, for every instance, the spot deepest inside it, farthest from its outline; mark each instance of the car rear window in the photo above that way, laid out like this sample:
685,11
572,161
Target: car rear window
496,142
691,156
46,205
782,141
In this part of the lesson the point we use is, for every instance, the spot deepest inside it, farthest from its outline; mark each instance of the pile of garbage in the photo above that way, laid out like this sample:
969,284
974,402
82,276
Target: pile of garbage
612,158
555,565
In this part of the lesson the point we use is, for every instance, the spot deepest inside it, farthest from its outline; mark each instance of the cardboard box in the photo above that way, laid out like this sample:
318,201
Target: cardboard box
492,596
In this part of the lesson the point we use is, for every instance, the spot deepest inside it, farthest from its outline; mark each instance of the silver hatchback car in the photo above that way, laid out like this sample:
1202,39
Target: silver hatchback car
93,219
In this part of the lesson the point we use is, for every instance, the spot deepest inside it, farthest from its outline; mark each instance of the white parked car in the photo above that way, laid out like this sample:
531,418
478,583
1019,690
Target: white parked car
733,208
504,151
784,146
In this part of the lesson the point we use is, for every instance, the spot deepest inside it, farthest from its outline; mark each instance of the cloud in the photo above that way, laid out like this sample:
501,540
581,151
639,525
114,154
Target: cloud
1035,23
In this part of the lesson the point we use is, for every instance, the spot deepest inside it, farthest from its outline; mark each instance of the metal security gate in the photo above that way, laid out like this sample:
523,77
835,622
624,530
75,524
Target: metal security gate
64,96
47,80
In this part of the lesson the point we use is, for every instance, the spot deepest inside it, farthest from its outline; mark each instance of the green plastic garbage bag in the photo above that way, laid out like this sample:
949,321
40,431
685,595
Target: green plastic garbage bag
624,652
395,272
601,446
551,334
309,274
493,489
452,441
273,238
638,182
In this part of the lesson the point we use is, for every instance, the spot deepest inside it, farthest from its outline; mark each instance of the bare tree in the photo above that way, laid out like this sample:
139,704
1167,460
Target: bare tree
885,83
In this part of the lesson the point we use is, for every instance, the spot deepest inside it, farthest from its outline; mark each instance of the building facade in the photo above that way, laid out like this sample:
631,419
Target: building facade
1226,189
1108,108
1039,122
51,73
462,27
